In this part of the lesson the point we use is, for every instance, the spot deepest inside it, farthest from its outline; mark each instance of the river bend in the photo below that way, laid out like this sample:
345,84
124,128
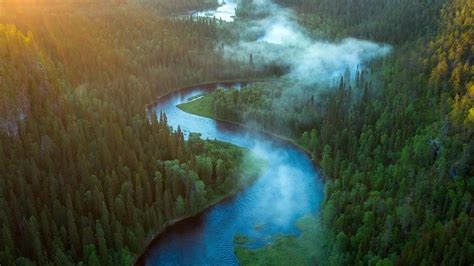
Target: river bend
289,188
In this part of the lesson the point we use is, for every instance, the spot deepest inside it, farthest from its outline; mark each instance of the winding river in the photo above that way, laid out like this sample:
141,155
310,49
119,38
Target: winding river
290,188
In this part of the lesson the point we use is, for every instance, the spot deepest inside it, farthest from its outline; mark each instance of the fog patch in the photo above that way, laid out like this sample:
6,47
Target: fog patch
278,39
286,197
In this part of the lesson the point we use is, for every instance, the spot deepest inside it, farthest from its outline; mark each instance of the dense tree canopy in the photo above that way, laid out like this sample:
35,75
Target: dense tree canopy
395,140
85,175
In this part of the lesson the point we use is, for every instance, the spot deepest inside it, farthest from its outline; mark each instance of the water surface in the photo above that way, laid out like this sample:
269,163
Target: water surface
287,190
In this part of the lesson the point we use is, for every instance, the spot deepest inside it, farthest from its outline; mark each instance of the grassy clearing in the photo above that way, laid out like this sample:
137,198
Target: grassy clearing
199,106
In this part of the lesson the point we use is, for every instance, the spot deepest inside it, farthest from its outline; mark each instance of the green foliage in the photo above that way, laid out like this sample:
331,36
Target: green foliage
307,249
85,175
388,21
396,145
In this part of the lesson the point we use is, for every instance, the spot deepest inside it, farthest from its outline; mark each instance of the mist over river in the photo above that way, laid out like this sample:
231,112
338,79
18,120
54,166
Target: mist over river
289,188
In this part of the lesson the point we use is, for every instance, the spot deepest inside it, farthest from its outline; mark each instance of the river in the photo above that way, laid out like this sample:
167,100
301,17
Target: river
289,188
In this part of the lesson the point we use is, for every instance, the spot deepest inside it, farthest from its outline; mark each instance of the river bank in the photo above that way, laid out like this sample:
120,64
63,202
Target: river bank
141,259
284,249
253,167
203,84
201,107
289,189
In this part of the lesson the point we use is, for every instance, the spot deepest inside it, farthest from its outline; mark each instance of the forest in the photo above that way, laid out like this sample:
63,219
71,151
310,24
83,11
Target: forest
86,176
394,138
89,177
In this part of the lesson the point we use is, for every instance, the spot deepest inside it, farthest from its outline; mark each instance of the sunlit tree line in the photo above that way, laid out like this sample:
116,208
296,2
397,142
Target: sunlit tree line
85,175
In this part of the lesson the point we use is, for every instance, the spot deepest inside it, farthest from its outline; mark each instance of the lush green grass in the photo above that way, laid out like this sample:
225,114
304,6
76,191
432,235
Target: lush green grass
307,249
199,106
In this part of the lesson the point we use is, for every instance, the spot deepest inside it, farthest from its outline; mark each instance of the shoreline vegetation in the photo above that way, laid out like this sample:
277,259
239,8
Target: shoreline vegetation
153,103
140,257
287,249
194,106
283,249
252,167
200,106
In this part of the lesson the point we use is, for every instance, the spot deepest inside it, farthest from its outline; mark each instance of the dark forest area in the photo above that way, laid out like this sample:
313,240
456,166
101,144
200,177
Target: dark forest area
88,176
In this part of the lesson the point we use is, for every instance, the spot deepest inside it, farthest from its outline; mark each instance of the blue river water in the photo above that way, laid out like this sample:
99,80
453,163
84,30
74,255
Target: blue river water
289,188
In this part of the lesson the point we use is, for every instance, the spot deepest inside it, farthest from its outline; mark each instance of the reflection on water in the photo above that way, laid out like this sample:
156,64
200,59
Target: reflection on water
289,188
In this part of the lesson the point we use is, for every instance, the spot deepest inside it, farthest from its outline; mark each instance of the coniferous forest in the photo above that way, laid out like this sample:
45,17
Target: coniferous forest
90,176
